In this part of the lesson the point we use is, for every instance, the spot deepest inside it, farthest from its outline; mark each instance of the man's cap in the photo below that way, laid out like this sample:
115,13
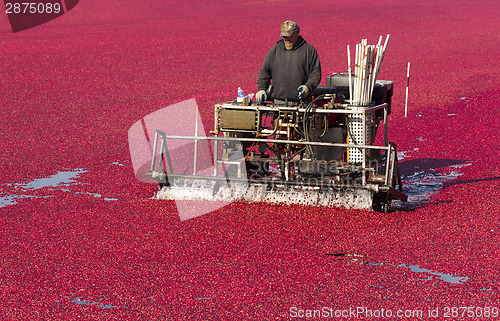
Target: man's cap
288,27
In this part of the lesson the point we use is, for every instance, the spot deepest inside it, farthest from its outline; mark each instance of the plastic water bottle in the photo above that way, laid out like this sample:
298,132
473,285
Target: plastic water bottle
240,95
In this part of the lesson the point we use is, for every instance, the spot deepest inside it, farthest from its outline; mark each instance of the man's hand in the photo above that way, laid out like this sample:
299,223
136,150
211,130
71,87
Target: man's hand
303,91
261,96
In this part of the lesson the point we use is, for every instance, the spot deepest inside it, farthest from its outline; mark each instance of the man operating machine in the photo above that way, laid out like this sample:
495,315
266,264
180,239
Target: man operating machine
291,67
299,143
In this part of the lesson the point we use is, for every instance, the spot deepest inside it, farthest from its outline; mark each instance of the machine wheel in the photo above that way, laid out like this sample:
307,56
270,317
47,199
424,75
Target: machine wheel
382,202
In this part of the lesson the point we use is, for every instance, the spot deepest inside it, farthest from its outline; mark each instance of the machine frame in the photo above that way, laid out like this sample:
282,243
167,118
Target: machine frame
375,168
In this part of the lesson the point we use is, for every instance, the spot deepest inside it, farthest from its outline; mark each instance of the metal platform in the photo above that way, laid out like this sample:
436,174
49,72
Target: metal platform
270,153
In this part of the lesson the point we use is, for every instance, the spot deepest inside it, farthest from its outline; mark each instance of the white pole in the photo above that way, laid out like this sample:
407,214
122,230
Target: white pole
363,72
371,74
195,141
356,75
407,85
367,75
349,71
386,41
376,66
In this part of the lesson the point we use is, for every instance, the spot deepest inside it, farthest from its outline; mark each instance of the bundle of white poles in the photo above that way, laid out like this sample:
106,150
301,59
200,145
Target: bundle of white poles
368,59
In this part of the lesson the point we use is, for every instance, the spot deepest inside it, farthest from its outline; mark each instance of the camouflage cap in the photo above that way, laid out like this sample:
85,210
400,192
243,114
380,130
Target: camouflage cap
288,27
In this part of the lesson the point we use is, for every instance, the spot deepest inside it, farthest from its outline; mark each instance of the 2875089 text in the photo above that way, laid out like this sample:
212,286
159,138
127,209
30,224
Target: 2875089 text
31,7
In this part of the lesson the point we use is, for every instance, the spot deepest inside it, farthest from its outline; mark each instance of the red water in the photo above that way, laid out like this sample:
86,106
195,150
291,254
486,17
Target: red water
71,89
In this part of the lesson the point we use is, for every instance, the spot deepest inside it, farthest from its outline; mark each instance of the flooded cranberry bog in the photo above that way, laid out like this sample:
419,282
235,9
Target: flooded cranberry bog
82,238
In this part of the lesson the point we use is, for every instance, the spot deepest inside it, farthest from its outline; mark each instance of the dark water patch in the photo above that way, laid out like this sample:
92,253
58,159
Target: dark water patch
426,274
424,177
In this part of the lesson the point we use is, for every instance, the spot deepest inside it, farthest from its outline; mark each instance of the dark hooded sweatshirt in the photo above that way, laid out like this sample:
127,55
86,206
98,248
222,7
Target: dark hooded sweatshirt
290,69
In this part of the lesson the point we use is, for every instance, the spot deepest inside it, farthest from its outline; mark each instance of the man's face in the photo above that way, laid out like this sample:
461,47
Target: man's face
292,40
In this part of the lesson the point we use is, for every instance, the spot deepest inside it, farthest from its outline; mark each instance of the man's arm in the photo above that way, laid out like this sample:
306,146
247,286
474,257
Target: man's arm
264,78
315,71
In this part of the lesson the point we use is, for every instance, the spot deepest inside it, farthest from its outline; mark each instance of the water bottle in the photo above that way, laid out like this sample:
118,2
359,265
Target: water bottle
240,95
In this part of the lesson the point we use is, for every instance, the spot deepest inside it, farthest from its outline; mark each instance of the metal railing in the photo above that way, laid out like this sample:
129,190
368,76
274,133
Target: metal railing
391,159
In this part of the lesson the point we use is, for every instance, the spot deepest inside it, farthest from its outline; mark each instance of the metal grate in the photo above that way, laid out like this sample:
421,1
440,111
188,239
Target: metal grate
359,133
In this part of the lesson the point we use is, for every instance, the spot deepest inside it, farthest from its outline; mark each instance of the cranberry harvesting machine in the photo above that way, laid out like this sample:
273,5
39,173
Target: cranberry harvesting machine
320,153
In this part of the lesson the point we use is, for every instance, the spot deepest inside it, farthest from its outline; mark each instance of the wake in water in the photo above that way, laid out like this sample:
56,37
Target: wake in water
211,190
